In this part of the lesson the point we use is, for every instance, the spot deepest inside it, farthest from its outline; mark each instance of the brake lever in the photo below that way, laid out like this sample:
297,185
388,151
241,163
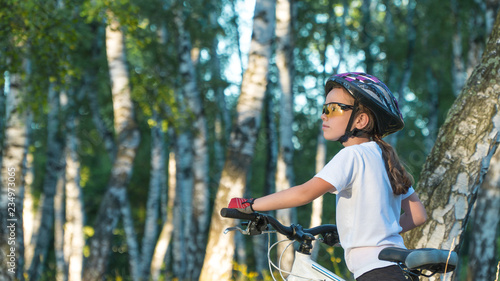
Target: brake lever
234,228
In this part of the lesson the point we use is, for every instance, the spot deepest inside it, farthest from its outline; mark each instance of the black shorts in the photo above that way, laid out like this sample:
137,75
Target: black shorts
390,273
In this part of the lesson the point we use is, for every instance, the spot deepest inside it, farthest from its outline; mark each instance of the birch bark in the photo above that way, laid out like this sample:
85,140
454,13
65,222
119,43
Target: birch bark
13,155
317,204
284,62
115,200
197,224
457,164
483,245
74,216
220,250
156,183
53,171
166,232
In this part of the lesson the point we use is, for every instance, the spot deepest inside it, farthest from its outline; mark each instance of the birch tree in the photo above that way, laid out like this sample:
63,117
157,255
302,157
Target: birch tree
317,204
456,166
14,150
192,156
198,223
220,251
284,62
74,240
53,171
168,227
115,200
483,245
157,183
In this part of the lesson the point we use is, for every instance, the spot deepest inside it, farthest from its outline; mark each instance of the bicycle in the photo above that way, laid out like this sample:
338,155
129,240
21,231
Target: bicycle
412,262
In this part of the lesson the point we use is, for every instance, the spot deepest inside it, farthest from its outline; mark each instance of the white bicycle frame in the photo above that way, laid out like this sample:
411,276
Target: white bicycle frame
303,267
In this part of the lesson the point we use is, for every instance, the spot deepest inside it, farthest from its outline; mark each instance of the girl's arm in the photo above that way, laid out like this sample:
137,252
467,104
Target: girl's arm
414,213
293,197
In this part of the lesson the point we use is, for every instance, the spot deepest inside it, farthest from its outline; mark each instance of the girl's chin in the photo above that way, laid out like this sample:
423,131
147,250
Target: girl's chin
330,138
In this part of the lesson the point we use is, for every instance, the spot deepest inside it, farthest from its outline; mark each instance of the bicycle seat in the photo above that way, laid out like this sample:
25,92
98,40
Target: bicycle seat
430,259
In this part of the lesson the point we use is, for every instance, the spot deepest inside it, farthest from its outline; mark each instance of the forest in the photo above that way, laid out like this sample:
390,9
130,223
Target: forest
125,126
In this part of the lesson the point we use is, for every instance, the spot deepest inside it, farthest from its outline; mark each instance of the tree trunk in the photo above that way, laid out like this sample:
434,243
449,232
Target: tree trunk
220,250
14,150
457,164
483,242
260,241
30,224
284,62
197,225
366,35
157,183
53,170
74,240
127,141
458,70
59,209
182,205
166,232
317,204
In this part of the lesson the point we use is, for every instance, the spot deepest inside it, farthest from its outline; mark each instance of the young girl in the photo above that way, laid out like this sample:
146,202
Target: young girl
366,175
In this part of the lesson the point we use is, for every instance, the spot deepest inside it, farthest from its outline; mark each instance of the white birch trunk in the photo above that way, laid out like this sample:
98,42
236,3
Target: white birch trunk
115,201
482,246
220,249
195,227
166,233
30,224
284,62
14,150
156,185
59,209
482,258
75,219
199,221
455,169
182,205
53,171
317,204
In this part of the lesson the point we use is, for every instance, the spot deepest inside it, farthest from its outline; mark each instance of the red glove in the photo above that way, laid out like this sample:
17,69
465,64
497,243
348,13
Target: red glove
241,204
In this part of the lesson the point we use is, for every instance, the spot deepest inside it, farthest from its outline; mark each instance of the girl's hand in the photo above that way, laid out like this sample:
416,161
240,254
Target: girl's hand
241,204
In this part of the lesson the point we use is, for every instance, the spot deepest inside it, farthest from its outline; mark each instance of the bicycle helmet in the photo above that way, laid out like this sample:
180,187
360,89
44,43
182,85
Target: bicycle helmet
374,94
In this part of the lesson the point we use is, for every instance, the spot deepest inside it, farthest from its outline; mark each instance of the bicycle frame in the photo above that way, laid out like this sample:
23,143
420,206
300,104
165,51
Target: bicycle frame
303,267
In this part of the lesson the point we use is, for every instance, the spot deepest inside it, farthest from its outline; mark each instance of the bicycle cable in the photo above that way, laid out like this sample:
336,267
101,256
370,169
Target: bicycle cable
278,268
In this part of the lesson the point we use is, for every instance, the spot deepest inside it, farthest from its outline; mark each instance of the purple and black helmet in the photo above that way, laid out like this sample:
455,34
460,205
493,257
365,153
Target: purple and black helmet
374,94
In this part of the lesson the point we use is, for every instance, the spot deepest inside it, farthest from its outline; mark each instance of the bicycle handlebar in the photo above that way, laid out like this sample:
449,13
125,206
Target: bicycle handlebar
292,231
235,214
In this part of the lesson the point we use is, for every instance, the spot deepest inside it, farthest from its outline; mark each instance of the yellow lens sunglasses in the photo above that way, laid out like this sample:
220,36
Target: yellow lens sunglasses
335,109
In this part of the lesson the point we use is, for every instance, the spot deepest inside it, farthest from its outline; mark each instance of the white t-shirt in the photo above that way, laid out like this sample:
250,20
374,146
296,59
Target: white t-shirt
367,210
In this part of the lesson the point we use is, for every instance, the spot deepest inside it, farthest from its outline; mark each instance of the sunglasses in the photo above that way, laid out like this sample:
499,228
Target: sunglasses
335,109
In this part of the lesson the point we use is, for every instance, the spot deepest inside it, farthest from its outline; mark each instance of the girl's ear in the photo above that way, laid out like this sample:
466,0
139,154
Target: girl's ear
362,121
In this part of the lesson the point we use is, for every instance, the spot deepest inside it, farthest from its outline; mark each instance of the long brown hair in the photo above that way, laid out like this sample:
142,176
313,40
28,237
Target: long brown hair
400,179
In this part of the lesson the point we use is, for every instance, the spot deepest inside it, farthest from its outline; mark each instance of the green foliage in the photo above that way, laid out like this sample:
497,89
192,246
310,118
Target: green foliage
62,44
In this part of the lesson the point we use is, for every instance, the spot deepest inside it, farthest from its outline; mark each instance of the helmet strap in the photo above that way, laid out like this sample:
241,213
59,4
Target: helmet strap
354,132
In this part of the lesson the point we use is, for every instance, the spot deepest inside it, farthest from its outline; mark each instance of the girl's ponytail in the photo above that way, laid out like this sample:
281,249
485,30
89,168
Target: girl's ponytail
400,179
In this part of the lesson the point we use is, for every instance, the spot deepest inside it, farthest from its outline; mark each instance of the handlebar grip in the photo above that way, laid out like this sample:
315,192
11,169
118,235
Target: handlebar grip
235,214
